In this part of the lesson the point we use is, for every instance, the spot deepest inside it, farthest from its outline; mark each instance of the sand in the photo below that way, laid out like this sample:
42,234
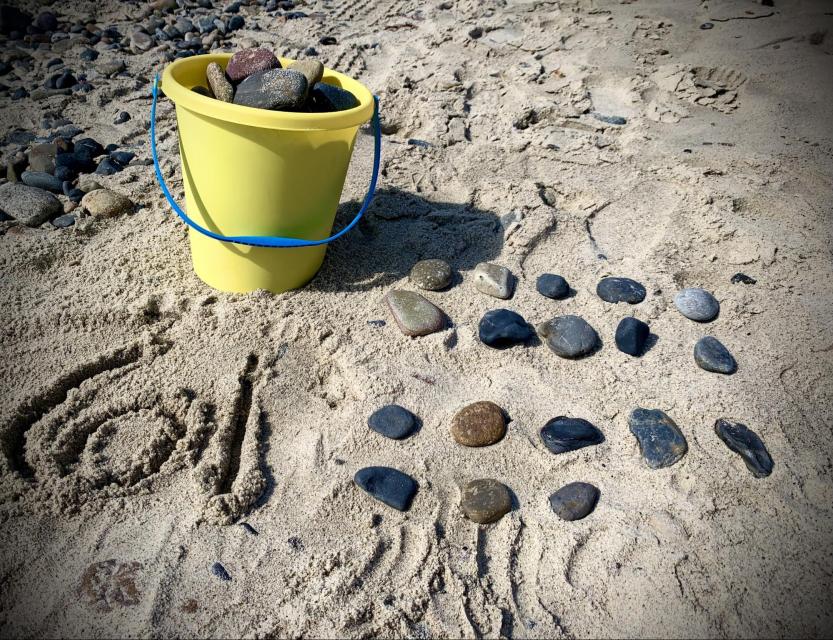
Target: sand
144,416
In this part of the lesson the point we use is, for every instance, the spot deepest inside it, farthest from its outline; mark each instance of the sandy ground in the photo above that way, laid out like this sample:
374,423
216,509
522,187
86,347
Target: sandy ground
144,416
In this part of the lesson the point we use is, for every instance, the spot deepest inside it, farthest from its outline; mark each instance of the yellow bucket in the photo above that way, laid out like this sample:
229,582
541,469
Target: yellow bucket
261,187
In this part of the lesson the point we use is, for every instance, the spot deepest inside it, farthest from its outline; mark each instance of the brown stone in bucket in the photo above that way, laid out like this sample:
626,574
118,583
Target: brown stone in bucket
244,63
222,88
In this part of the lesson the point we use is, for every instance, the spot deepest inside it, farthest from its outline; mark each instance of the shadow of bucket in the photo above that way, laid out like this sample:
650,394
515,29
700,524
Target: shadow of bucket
261,187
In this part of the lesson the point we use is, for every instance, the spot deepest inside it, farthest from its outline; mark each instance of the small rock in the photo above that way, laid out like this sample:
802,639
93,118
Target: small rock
391,486
552,286
485,501
493,280
327,41
89,145
564,434
80,161
202,91
325,98
574,501
121,118
249,62
29,205
393,421
249,528
660,440
222,88
42,180
89,55
273,89
220,571
697,304
616,120
501,328
122,157
479,424
65,81
64,221
746,443
46,21
620,290
140,42
632,336
569,336
432,275
108,167
109,68
42,157
414,315
86,183
313,70
742,278
711,355
706,26
104,203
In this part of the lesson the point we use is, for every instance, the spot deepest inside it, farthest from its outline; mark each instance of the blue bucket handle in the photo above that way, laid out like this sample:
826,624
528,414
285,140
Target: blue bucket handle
267,241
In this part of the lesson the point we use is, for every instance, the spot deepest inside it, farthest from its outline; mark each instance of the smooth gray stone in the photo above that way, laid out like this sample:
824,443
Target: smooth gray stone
493,280
697,304
324,98
485,501
273,89
29,205
746,443
414,315
431,275
574,501
660,439
391,486
42,180
64,221
620,290
569,336
711,355
563,434
552,286
392,421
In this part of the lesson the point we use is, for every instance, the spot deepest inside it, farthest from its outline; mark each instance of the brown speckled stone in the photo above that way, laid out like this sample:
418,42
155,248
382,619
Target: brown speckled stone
479,424
485,501
432,275
244,63
219,83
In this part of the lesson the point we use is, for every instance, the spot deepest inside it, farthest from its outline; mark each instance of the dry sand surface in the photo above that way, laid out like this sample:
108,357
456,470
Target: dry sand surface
144,416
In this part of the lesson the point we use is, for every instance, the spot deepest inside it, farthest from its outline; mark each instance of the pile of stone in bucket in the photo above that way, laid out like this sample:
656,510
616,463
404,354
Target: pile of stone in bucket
255,78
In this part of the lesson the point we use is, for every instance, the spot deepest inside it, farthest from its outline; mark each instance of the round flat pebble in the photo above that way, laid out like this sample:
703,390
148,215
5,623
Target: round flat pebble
569,336
563,434
697,304
631,336
414,315
431,275
552,286
620,290
711,355
574,501
479,424
250,61
390,486
392,421
746,443
502,328
660,440
485,501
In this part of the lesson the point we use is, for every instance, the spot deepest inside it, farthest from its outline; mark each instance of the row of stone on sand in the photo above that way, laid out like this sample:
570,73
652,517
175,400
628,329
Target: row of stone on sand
484,423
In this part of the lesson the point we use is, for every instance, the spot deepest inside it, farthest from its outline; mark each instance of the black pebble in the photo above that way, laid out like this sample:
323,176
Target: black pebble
564,434
660,440
631,336
706,26
552,286
328,40
93,147
65,173
80,161
64,221
89,55
620,290
746,443
574,501
249,528
108,167
376,323
711,355
387,485
122,157
122,117
220,571
501,328
236,22
326,97
392,421
65,81
742,278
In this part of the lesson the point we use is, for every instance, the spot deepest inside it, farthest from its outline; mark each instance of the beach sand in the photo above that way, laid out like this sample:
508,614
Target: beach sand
145,416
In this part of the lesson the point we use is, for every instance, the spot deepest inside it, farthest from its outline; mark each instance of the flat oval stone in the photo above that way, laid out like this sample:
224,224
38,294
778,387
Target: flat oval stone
220,571
273,89
493,280
105,203
697,304
569,336
746,443
660,440
502,328
414,315
220,85
250,61
631,336
432,274
324,98
620,290
485,501
711,355
313,70
552,286
391,486
392,421
29,205
479,424
42,180
574,501
564,434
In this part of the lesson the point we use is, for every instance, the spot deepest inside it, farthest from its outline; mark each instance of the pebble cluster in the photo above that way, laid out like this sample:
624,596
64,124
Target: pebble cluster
484,423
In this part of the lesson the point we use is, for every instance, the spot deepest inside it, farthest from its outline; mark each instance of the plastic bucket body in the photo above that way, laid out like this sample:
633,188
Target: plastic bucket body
254,172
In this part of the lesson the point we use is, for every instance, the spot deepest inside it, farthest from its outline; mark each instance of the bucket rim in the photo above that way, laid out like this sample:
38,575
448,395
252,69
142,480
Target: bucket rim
182,96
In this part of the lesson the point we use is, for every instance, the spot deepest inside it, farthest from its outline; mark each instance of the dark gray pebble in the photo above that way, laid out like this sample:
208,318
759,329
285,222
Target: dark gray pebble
327,41
394,488
80,161
569,336
122,157
617,120
631,336
660,440
620,290
392,421
220,571
64,221
746,443
502,328
121,118
65,173
249,528
93,147
711,355
273,89
42,180
108,167
563,434
574,501
376,323
706,26
326,97
89,55
552,286
742,278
